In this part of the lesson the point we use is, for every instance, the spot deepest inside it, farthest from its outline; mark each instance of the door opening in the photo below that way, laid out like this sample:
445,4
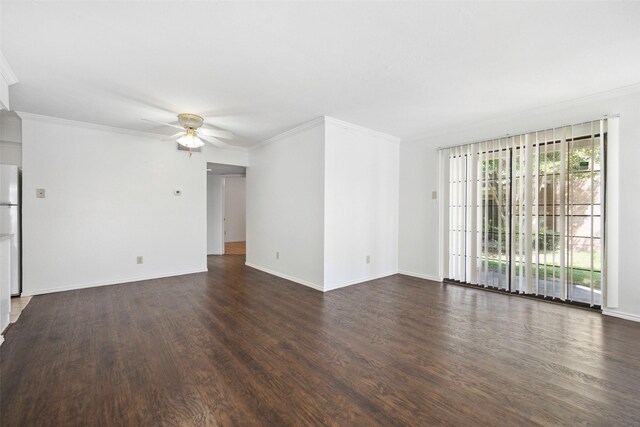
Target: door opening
226,209
235,234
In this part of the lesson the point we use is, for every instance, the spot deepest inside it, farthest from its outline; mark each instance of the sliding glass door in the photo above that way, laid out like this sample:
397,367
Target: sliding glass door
525,213
495,187
585,223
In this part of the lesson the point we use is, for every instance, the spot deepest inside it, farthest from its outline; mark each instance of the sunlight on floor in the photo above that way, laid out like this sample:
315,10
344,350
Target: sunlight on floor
17,305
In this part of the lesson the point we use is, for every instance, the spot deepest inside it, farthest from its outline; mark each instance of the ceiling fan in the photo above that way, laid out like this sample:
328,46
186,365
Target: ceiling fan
192,133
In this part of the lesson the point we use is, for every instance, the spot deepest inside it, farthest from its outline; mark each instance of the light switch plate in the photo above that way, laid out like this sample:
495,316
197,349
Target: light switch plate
40,193
434,195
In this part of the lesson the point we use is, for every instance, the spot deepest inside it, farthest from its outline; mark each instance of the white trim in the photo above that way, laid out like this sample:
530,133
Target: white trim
612,231
49,119
357,281
300,128
436,133
287,277
321,121
621,315
223,215
111,282
104,128
6,71
443,212
361,129
1,339
420,276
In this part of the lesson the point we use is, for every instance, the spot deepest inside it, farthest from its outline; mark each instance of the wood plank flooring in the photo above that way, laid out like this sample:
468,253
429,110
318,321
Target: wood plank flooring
236,346
235,248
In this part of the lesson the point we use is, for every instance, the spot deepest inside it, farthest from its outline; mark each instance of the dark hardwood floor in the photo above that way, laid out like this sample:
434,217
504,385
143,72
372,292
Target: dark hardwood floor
240,347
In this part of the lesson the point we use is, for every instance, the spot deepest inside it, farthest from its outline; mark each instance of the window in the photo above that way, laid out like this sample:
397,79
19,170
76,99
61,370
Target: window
525,213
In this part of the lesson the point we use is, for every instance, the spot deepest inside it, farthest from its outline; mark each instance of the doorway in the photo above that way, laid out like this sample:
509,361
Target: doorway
235,218
226,209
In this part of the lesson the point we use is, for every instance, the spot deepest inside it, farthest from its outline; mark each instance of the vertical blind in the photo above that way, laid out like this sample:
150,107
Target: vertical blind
526,214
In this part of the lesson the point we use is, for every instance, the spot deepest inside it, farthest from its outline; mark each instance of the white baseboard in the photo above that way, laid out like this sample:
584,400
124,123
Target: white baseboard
420,276
316,286
355,282
626,316
285,276
108,283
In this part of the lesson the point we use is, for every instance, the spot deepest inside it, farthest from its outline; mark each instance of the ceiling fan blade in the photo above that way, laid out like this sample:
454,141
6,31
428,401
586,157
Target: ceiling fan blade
219,133
163,123
213,141
173,137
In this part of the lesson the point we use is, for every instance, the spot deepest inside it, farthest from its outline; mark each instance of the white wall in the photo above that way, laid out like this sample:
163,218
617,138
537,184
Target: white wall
285,206
325,195
215,207
418,235
10,138
418,214
235,209
361,205
109,198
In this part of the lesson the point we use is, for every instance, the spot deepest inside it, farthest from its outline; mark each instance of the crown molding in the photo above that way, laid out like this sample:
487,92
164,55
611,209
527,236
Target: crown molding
361,129
49,119
293,131
535,111
322,120
6,71
56,120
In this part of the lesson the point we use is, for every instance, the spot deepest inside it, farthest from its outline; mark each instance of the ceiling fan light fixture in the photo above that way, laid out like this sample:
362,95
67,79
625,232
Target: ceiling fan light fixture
190,139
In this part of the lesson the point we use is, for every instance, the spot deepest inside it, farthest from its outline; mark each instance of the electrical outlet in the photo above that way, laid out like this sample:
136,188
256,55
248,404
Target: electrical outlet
139,260
277,255
368,259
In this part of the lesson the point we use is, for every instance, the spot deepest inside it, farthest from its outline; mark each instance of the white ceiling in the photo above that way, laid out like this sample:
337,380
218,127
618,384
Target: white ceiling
404,68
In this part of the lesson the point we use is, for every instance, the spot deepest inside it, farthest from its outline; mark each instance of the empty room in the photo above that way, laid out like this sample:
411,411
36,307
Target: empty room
340,213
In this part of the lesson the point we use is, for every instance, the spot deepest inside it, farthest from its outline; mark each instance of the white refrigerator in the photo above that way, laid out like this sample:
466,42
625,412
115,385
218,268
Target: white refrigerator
10,219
